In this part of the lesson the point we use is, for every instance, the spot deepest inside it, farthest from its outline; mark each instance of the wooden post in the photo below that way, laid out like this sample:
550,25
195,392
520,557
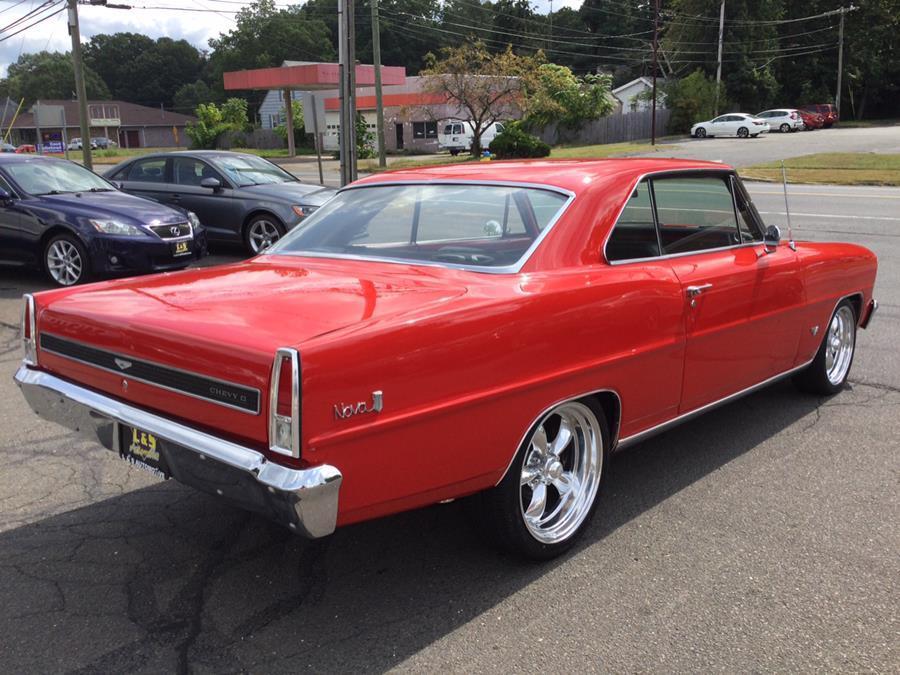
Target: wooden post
289,122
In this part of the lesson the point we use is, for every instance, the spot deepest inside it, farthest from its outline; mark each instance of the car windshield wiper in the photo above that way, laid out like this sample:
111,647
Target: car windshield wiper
53,192
95,189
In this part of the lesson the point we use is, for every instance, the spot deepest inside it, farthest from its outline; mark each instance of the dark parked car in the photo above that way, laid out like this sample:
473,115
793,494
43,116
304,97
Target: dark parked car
57,215
238,197
826,110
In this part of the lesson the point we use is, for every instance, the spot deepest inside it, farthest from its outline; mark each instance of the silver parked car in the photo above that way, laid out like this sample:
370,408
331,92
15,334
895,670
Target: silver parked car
783,119
741,125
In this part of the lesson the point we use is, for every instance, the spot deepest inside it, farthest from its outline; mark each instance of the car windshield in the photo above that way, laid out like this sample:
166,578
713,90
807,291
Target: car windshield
48,177
470,225
251,170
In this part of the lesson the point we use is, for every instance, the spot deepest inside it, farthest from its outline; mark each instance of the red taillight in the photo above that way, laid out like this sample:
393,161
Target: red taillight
793,115
285,383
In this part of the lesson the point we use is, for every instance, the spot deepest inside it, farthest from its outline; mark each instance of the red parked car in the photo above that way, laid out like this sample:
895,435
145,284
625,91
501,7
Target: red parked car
811,120
492,330
826,110
26,147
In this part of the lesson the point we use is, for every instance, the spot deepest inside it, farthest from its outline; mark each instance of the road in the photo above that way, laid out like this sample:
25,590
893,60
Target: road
762,536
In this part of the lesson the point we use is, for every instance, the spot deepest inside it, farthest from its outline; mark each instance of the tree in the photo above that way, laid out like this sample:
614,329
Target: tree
299,124
213,121
234,114
485,87
47,75
691,99
189,96
557,95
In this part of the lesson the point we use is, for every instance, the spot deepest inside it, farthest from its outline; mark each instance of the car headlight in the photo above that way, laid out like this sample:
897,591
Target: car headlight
194,220
303,211
116,227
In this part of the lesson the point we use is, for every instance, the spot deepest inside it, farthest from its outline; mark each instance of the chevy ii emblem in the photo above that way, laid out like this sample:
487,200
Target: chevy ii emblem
123,364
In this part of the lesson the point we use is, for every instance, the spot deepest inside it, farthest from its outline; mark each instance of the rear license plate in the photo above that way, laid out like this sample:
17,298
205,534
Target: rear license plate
143,449
181,248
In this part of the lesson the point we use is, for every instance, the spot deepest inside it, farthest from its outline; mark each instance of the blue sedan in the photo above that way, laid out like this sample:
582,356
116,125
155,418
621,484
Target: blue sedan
57,215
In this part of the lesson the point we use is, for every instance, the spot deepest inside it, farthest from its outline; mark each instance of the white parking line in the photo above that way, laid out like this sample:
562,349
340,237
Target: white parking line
830,215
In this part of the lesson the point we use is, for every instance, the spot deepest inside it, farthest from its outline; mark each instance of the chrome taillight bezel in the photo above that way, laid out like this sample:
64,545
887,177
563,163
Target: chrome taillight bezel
29,331
274,418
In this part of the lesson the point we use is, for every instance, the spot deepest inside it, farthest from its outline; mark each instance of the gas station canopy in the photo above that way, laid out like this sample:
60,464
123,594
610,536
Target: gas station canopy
310,77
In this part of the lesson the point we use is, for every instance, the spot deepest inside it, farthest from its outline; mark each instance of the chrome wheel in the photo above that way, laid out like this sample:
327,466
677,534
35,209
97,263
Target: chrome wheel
839,345
64,262
561,472
262,234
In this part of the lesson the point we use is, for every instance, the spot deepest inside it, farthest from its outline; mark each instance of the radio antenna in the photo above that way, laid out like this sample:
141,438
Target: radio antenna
787,209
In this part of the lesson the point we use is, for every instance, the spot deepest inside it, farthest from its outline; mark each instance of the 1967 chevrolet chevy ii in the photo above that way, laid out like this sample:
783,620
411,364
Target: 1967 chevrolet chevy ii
492,330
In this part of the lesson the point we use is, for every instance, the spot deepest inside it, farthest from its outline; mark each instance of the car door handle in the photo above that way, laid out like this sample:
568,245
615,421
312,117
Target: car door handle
694,291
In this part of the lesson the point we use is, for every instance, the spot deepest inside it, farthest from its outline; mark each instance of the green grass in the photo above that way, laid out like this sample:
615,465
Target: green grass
607,150
833,168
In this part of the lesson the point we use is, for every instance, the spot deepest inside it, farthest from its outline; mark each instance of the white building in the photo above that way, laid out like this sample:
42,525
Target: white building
628,94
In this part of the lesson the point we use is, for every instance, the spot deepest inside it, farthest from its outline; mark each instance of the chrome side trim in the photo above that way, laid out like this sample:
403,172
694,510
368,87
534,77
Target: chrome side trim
506,269
29,345
675,421
540,416
306,500
155,384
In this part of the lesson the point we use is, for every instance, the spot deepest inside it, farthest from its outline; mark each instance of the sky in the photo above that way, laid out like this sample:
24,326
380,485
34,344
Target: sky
195,27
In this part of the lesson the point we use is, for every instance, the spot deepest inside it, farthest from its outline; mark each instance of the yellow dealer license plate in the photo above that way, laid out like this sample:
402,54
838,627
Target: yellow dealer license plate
181,248
144,450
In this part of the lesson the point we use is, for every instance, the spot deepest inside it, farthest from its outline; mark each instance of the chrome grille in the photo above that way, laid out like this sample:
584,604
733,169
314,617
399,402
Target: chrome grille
172,231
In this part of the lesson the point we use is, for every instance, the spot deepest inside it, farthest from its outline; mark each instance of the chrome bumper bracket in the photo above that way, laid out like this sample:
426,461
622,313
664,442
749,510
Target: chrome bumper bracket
305,500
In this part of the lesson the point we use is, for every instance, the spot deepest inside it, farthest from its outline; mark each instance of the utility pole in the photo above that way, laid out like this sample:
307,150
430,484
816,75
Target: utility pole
655,57
347,58
837,94
379,104
79,85
719,65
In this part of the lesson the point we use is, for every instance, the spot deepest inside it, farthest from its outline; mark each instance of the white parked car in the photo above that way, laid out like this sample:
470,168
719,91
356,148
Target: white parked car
783,119
456,136
741,125
76,144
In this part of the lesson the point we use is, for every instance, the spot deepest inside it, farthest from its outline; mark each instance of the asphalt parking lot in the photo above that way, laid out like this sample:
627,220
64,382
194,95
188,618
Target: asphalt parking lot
762,536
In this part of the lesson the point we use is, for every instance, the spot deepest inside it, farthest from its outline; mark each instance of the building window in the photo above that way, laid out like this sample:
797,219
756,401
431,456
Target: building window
424,129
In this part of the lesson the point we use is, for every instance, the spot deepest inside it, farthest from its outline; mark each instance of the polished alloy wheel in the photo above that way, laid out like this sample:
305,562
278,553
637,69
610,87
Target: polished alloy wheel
64,262
743,132
561,472
785,128
701,132
839,345
263,233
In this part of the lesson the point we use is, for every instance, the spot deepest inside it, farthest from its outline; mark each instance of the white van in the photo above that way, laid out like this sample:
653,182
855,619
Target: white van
456,136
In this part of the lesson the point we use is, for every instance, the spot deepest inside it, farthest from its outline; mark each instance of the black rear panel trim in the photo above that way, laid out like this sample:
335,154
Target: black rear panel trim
236,396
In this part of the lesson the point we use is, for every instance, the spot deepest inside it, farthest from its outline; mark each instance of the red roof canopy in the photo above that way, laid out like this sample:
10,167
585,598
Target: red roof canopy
310,76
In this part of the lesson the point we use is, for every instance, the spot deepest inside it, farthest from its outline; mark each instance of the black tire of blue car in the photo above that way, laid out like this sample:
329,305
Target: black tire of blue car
500,513
829,370
66,261
261,232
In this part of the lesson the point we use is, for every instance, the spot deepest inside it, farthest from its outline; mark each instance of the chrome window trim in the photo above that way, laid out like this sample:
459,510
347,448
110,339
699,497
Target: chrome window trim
505,269
662,173
294,357
155,384
613,442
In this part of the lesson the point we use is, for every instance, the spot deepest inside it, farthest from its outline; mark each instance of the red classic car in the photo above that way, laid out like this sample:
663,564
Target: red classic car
491,331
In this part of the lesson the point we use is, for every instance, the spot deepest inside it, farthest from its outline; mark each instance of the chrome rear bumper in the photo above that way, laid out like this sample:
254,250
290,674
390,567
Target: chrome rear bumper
305,500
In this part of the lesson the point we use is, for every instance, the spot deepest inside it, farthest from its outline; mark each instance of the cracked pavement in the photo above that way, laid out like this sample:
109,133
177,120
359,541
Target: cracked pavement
761,536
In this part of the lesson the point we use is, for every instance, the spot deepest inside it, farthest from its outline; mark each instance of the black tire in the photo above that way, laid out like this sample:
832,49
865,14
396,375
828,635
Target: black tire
454,151
700,133
785,128
743,132
500,510
62,255
254,237
815,379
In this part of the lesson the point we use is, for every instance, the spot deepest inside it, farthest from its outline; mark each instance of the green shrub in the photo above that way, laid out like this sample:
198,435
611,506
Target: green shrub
516,143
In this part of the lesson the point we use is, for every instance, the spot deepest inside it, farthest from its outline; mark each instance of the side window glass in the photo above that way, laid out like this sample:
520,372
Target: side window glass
148,171
695,214
6,186
749,222
189,171
634,234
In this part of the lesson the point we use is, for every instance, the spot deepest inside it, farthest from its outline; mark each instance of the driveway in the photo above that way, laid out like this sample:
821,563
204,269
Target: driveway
775,146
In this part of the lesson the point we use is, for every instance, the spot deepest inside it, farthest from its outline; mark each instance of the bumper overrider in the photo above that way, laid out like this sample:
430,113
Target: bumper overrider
305,500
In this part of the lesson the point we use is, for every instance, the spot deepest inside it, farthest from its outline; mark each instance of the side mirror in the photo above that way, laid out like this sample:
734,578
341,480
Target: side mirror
5,197
771,238
213,184
119,185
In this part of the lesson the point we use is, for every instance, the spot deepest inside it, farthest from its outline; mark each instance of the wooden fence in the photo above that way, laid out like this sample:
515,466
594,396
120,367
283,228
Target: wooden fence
615,128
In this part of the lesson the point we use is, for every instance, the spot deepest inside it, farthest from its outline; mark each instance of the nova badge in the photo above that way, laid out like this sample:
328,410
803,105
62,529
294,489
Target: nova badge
344,411
123,364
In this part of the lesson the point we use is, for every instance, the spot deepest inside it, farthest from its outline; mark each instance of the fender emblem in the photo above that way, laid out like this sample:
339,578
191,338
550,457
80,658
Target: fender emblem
123,364
344,411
